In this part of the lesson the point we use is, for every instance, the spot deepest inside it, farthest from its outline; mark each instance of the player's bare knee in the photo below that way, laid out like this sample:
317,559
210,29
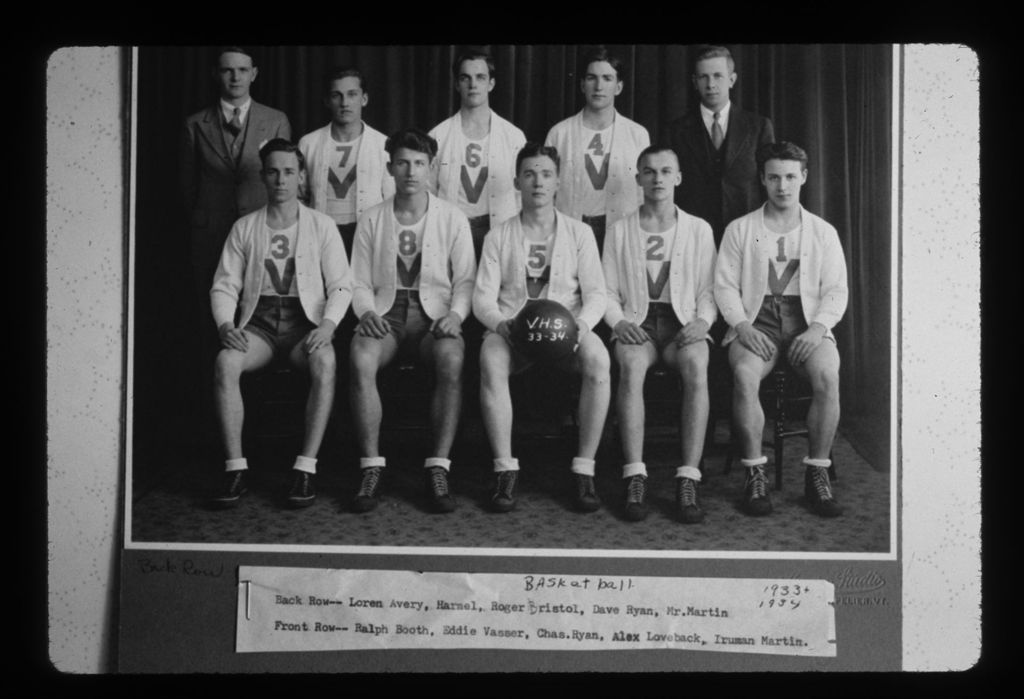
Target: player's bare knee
596,367
448,366
746,378
322,364
227,368
693,370
824,381
363,365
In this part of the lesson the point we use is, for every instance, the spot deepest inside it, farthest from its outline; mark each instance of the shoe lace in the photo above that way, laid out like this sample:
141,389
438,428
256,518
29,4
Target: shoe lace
506,482
371,476
635,489
439,481
758,482
819,478
687,492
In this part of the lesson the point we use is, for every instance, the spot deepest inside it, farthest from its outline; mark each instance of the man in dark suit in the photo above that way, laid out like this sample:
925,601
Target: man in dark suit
220,163
716,145
219,167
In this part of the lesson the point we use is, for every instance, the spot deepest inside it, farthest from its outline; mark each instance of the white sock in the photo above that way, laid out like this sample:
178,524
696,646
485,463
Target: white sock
691,472
433,461
236,465
820,463
637,468
759,461
584,467
506,464
305,463
371,462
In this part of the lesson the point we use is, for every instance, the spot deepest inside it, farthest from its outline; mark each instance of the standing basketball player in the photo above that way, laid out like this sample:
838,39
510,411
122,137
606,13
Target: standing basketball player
659,264
413,271
780,283
283,273
346,160
599,148
540,254
477,149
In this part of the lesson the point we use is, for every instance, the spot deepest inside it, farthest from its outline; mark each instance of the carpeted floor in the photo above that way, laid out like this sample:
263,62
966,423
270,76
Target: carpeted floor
173,508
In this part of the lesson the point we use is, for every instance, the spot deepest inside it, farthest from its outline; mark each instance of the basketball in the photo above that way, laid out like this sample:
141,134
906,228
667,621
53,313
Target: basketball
545,331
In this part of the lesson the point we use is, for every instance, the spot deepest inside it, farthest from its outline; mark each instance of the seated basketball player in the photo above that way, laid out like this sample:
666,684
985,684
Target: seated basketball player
284,275
413,269
780,283
659,264
540,253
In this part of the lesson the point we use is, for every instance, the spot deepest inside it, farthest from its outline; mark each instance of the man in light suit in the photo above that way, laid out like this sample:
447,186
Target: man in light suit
716,145
220,163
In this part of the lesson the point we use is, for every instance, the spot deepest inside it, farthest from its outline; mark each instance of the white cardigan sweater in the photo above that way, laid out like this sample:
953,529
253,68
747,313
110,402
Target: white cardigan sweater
503,143
622,193
691,277
741,274
577,281
322,272
373,182
448,265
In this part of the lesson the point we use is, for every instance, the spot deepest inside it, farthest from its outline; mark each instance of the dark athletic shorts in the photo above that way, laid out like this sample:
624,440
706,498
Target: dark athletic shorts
280,322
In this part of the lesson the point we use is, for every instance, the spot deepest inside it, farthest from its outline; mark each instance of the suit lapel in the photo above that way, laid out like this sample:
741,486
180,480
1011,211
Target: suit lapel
211,130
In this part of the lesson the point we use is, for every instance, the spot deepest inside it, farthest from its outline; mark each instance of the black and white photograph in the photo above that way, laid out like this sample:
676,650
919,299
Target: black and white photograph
443,437
591,310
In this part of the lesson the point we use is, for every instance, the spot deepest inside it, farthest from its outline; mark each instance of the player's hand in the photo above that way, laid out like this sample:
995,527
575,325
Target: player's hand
804,344
372,325
319,337
629,333
233,338
449,326
694,331
755,340
505,330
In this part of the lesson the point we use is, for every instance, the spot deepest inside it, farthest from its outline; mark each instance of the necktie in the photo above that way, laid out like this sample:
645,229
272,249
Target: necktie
234,126
716,132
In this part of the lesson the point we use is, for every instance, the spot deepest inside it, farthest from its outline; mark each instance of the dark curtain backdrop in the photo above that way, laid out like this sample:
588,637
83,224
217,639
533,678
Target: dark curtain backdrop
833,100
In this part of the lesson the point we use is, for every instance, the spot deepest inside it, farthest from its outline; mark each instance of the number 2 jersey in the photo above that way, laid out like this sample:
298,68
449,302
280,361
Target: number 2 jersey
677,265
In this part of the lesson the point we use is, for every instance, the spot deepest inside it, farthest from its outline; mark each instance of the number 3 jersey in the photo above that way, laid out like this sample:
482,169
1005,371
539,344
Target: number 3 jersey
279,263
314,255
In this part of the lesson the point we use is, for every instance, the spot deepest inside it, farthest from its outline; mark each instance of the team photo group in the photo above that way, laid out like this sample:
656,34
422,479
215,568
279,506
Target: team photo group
472,249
